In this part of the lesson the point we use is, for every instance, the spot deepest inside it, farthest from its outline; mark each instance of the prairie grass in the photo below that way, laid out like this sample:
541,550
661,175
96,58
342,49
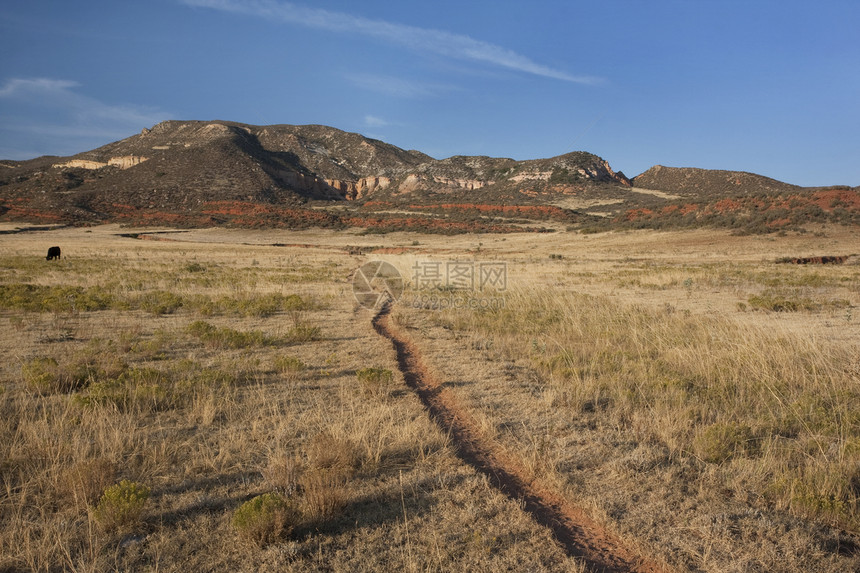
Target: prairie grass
162,366
290,367
776,412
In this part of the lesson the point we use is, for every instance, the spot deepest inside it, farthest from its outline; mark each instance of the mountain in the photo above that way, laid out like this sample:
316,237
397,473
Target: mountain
202,173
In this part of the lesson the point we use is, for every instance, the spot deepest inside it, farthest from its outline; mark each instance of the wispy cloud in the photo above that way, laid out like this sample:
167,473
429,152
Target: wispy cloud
50,116
374,121
23,86
398,87
457,46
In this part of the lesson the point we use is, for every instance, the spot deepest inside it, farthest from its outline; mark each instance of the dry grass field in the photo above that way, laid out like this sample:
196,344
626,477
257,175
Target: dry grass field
217,400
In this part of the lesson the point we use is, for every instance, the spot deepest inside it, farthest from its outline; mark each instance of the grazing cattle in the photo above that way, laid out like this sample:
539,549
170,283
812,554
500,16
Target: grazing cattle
53,253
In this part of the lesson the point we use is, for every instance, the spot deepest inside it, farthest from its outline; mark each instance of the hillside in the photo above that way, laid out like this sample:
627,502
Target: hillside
740,200
197,173
688,181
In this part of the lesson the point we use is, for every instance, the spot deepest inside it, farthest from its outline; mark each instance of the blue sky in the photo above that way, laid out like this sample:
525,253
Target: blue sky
768,86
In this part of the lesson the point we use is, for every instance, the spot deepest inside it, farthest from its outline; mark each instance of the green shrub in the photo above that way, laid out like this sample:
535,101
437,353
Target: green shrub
303,332
375,381
225,337
160,302
92,363
777,302
40,298
97,360
258,305
721,442
121,506
265,518
41,375
290,366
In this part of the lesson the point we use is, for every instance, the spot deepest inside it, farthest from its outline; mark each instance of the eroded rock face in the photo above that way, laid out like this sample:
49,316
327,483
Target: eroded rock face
123,162
126,161
81,164
618,176
468,184
412,182
368,185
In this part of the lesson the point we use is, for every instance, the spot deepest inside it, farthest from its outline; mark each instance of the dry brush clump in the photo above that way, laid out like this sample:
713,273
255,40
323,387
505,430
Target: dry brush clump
331,463
308,489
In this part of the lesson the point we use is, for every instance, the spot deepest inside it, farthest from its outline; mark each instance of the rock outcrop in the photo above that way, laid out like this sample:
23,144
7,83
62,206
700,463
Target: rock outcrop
123,162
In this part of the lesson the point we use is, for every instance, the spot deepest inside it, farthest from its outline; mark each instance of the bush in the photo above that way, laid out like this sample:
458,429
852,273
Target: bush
290,366
147,389
91,363
776,302
121,506
374,381
329,452
303,332
265,518
41,375
225,337
160,302
324,493
40,298
721,442
283,473
260,305
86,481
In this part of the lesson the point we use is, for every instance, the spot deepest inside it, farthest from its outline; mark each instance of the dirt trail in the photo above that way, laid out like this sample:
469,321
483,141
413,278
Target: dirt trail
580,535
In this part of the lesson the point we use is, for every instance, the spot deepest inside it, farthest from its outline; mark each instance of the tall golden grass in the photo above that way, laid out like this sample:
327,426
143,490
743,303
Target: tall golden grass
773,410
211,375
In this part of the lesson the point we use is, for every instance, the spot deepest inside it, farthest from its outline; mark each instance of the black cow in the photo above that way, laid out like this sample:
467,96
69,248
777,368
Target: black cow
53,253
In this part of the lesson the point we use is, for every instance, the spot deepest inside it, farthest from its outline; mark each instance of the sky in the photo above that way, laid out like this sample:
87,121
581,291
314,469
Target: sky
765,86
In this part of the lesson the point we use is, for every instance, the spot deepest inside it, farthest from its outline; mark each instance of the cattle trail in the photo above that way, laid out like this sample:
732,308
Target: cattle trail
578,534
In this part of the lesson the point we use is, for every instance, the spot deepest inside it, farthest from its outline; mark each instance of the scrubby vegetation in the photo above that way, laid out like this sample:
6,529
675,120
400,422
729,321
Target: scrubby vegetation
265,518
121,506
